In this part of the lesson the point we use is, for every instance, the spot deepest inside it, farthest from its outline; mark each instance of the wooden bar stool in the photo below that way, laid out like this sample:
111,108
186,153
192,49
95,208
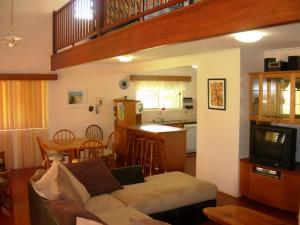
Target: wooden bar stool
130,150
154,156
140,150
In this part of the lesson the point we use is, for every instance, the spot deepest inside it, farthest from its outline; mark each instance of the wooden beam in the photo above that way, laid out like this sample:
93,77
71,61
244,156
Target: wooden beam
159,78
7,76
209,18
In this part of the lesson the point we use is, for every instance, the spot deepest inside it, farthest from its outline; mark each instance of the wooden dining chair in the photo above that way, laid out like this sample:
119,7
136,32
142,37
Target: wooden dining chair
94,131
47,158
63,136
89,149
110,154
5,185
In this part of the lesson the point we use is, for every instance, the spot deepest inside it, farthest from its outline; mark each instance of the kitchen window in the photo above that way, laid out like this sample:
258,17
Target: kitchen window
160,94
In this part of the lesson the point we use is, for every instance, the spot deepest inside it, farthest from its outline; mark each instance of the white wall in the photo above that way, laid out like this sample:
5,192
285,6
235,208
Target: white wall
101,80
97,82
252,60
218,130
35,27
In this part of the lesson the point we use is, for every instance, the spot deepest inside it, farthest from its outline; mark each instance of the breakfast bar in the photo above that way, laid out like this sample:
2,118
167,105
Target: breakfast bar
173,139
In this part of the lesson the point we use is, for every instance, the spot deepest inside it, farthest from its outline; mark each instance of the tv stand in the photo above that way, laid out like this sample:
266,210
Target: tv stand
273,186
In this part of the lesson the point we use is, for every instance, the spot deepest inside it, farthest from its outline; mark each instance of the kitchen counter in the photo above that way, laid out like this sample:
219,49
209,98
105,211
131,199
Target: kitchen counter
157,128
174,122
173,139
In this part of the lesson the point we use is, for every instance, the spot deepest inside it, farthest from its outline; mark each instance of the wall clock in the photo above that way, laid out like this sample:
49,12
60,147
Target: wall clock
124,84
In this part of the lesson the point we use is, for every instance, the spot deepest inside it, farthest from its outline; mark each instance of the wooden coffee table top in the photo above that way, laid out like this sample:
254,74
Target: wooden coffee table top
236,215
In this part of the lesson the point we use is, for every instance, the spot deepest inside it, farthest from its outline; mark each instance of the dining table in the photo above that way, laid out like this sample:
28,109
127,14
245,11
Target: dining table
69,147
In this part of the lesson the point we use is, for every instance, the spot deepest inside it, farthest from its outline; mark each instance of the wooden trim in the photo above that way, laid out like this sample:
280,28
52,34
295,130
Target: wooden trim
159,78
271,73
260,96
198,21
8,76
292,98
251,80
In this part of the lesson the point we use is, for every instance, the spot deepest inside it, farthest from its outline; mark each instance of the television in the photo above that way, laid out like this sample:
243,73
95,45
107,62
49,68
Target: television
273,146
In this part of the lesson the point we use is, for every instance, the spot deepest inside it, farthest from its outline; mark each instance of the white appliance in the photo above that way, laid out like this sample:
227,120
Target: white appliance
191,137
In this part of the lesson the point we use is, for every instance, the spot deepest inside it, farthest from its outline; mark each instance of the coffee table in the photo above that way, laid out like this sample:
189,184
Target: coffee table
237,215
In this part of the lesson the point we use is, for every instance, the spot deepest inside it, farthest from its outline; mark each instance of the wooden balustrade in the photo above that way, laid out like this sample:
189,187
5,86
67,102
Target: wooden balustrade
82,19
74,22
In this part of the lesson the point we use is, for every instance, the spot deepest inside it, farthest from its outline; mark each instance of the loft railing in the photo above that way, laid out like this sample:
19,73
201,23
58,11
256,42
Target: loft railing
75,21
80,20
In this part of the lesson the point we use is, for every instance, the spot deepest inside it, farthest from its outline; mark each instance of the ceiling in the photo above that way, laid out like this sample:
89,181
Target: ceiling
278,37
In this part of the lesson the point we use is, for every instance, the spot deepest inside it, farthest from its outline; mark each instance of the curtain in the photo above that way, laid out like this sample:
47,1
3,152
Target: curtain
23,104
160,85
21,148
23,116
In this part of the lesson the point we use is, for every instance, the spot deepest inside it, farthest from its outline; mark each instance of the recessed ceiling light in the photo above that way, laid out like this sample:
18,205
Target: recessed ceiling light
125,58
195,66
248,36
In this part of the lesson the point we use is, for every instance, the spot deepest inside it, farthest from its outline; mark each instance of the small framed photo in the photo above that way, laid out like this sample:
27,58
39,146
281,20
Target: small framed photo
76,98
217,94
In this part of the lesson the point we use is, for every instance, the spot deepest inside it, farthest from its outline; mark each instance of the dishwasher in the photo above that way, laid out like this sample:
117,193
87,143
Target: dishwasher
191,137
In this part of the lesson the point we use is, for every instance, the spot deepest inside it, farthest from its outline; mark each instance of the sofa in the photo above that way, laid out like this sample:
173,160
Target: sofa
173,197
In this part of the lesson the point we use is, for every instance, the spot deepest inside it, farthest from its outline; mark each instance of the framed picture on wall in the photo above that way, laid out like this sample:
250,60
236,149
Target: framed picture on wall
217,94
76,98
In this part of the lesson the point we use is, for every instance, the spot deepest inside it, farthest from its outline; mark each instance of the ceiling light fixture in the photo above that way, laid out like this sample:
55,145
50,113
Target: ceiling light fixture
11,40
248,36
125,58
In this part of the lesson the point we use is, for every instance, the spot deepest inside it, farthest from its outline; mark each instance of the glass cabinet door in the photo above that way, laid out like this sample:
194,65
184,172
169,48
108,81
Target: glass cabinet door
254,92
297,98
276,97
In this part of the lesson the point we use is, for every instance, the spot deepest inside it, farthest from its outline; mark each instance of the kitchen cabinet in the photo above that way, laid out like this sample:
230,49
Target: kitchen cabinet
173,139
275,96
281,192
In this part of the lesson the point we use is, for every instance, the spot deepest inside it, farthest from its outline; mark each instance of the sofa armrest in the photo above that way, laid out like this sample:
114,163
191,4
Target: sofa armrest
39,212
128,175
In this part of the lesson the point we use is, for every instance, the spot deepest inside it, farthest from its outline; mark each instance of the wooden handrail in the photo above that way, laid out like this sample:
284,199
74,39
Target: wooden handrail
80,20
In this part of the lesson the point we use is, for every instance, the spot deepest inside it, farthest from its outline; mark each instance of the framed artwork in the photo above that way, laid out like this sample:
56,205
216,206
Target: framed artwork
217,94
76,98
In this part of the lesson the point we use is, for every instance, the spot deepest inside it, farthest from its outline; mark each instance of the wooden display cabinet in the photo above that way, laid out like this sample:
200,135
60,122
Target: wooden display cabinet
275,96
282,192
125,115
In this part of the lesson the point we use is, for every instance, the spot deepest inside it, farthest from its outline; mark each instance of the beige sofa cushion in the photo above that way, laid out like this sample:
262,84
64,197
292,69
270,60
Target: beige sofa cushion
57,182
121,216
166,191
103,203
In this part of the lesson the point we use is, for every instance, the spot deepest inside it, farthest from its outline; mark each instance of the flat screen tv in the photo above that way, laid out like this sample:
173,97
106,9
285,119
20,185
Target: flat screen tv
273,146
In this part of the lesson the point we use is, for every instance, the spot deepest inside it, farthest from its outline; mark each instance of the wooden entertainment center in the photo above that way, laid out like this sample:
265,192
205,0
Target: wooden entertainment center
282,192
274,97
